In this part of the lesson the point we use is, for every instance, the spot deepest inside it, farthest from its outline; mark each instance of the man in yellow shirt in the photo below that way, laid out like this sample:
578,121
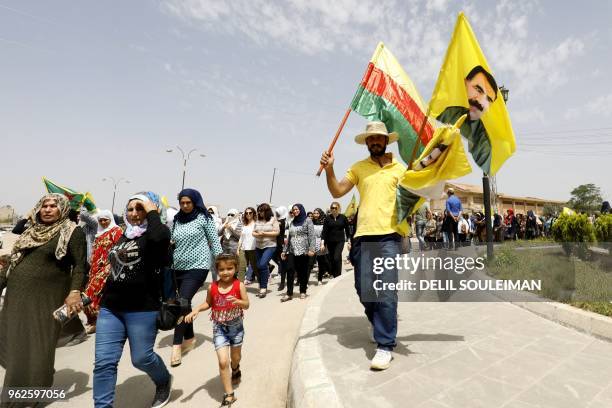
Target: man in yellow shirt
377,235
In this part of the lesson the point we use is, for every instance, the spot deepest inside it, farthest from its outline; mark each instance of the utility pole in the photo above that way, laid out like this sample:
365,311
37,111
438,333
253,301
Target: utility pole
272,187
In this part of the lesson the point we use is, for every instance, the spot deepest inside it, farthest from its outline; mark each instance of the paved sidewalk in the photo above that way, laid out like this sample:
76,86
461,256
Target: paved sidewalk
462,355
271,330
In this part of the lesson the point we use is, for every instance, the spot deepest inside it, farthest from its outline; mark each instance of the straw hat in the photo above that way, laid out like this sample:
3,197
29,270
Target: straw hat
376,128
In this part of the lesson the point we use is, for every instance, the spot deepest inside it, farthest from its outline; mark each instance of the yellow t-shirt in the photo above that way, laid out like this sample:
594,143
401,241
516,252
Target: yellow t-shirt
377,191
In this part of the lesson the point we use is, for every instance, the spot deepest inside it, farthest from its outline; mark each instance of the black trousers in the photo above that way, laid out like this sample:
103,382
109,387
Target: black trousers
188,284
335,257
453,234
297,264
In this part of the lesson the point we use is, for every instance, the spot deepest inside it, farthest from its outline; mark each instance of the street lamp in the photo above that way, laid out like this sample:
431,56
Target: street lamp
185,159
504,91
486,192
115,184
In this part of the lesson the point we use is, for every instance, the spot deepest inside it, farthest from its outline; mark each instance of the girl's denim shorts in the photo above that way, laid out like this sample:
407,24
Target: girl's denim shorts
228,334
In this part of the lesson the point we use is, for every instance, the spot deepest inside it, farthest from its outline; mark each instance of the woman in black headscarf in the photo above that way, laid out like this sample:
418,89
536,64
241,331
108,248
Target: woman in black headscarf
299,248
197,244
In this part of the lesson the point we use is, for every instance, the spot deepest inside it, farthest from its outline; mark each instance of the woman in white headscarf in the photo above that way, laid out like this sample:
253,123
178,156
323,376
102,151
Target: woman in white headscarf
230,232
107,235
214,212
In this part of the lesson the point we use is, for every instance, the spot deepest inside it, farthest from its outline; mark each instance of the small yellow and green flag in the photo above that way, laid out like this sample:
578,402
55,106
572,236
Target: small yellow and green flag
443,159
351,209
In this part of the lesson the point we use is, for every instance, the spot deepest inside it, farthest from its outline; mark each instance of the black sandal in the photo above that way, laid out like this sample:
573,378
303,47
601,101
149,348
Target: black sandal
226,402
236,373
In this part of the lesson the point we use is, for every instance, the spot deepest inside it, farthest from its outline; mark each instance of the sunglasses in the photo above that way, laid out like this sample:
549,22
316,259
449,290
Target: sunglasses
231,215
334,208
248,212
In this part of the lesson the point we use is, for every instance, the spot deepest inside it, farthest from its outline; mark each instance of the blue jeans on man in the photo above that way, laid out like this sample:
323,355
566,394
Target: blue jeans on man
112,329
380,305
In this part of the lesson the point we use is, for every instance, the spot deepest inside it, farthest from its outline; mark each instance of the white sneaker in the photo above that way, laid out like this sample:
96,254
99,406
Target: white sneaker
382,360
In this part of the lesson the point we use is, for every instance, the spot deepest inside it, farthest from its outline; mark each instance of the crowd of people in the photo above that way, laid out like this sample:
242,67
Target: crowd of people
126,266
122,271
454,226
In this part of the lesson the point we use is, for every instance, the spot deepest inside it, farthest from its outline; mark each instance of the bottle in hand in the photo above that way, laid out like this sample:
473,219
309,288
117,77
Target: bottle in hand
61,313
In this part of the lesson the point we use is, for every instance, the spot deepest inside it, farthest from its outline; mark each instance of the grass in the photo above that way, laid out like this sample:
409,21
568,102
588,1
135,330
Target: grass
584,284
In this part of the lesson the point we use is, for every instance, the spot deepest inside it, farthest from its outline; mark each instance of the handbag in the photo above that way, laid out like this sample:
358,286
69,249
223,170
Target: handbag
172,310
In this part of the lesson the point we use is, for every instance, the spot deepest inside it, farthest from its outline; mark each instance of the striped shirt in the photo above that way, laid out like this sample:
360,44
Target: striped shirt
266,226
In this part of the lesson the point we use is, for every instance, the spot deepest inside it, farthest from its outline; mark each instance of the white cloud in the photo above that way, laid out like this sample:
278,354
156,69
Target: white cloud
416,31
600,106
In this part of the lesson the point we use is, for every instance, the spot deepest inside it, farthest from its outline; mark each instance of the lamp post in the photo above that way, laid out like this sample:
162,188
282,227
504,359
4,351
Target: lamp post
486,192
115,184
185,159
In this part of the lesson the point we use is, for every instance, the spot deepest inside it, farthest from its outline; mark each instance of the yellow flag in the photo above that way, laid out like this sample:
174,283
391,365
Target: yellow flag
164,201
568,211
443,159
352,207
489,131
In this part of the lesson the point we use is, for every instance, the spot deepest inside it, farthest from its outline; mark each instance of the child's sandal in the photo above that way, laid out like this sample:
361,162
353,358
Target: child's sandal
228,399
236,373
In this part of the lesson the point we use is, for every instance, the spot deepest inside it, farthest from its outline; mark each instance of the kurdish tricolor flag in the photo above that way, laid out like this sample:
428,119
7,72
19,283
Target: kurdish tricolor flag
76,199
387,94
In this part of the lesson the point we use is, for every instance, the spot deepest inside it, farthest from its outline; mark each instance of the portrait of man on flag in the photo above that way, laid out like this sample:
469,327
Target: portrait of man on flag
481,91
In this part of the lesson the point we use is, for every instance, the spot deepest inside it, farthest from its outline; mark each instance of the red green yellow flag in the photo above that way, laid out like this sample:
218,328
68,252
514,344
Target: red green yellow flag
76,199
387,94
488,128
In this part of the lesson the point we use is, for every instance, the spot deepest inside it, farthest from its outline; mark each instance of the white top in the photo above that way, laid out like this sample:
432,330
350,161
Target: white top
247,238
463,222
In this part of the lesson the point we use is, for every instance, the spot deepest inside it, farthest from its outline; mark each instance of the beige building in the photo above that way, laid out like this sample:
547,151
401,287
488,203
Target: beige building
7,215
472,200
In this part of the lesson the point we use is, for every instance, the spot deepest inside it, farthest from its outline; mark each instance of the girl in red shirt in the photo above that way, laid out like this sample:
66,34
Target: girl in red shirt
227,298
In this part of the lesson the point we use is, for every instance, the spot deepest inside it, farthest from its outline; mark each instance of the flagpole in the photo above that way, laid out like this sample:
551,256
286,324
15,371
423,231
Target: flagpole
333,143
366,76
417,142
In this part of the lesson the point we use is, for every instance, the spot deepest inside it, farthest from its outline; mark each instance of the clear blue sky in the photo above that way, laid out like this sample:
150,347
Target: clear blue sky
92,89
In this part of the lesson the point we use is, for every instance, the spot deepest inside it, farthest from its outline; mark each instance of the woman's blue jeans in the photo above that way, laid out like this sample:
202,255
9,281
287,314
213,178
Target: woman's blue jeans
263,259
112,329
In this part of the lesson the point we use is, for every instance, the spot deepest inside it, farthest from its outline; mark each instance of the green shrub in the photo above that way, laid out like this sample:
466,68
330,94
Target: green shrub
574,232
603,228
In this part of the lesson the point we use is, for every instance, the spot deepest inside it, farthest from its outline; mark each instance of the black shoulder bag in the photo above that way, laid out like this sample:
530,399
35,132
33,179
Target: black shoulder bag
172,310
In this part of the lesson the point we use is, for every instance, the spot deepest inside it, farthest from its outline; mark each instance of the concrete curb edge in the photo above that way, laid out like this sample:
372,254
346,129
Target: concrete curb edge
309,383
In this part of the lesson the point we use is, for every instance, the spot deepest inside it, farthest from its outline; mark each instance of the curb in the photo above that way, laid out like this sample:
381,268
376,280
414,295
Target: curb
584,321
590,323
309,383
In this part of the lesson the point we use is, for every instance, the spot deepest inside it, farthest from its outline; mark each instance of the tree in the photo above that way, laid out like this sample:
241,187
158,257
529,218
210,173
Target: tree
551,209
586,197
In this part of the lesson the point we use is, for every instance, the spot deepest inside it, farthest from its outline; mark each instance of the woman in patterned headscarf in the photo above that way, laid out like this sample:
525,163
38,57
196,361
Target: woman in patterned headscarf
130,302
108,234
45,270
